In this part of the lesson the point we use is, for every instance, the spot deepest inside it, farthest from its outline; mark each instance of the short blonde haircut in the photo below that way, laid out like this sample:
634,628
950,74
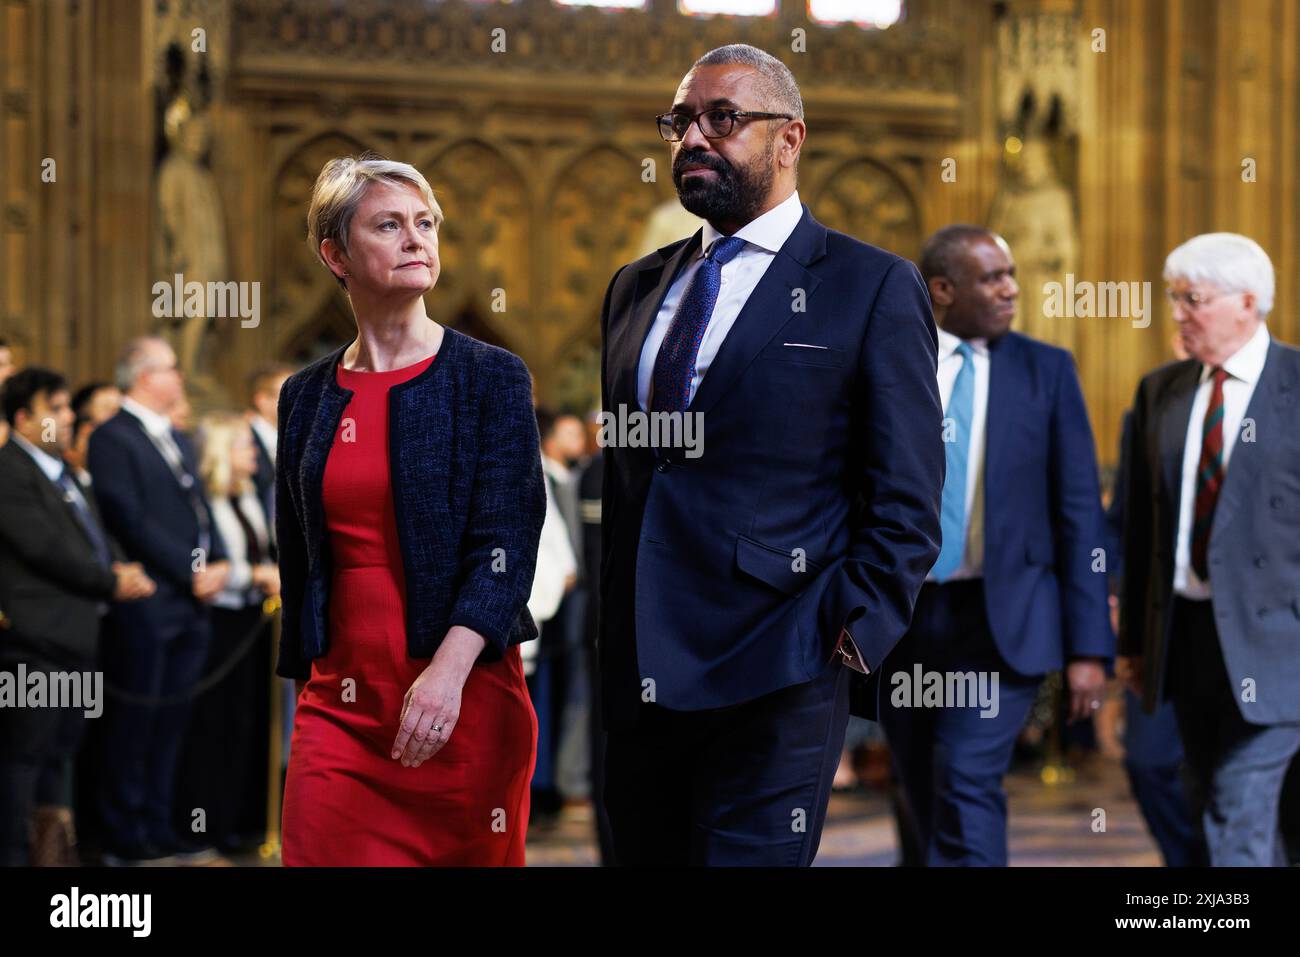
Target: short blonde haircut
338,191
217,433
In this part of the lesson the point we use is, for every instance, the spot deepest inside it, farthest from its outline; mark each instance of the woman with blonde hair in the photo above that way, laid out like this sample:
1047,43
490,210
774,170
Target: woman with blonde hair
223,764
409,501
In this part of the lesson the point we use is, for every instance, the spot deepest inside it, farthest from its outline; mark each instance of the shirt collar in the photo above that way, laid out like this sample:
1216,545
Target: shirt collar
52,467
1247,363
769,231
265,431
154,422
556,470
948,344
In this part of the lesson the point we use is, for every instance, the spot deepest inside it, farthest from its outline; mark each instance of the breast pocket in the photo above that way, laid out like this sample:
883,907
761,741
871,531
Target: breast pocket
805,353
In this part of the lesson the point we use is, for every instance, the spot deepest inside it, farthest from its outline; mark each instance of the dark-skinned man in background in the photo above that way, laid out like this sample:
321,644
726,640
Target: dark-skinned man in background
1016,592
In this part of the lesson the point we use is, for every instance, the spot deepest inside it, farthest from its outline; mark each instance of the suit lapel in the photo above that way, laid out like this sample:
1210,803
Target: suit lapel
769,307
1274,394
628,338
1002,390
1175,414
143,436
53,495
92,503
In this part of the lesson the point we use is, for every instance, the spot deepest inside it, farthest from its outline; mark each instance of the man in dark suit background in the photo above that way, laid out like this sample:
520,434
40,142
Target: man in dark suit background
1019,588
146,477
263,401
745,578
1209,608
1153,750
58,572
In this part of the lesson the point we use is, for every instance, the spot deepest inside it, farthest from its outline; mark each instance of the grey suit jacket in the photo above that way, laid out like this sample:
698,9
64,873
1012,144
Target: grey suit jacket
1254,552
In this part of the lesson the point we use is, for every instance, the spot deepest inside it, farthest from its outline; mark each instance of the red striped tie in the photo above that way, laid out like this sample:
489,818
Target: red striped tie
1209,477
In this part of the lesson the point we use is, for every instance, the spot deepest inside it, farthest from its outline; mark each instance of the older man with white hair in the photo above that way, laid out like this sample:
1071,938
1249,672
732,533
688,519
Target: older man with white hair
1210,606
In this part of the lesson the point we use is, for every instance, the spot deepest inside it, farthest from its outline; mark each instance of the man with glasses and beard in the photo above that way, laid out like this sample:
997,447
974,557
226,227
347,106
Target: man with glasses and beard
746,577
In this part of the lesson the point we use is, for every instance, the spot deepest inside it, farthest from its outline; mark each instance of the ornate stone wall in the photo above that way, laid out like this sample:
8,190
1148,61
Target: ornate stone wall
539,152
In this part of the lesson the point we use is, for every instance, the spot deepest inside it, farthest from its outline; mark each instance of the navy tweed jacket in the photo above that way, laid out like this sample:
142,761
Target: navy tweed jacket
467,487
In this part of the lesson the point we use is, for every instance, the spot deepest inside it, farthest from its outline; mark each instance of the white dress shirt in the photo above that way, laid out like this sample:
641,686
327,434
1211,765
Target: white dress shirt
51,466
159,428
234,594
266,432
763,237
555,563
950,363
1244,368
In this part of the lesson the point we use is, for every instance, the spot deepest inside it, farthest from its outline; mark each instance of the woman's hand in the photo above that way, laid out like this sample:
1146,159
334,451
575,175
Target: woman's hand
433,701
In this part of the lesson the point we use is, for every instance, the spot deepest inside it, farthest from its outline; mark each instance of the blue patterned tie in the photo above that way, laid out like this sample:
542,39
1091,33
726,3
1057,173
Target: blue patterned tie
952,514
85,518
675,364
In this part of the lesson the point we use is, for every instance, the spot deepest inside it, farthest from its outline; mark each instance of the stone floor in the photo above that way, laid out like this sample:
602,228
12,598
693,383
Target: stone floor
1050,825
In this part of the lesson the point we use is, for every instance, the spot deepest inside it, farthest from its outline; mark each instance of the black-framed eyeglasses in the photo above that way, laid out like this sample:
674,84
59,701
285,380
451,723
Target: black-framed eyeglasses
715,123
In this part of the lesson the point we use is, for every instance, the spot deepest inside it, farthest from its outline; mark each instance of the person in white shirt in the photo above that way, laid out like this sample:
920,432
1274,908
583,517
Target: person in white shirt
1008,607
223,764
554,581
1209,607
264,386
146,480
264,402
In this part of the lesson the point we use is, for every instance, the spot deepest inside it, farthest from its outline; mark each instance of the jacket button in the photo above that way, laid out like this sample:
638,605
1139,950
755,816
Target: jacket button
1262,612
662,467
1275,501
1259,561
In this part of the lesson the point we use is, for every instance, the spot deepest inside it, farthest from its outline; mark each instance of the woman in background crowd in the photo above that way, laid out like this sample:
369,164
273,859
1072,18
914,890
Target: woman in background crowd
224,768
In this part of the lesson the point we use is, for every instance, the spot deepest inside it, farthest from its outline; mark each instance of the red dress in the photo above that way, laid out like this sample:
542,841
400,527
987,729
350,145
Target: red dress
347,801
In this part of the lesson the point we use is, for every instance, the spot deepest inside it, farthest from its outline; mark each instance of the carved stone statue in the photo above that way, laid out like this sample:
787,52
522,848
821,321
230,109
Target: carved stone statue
192,233
1034,212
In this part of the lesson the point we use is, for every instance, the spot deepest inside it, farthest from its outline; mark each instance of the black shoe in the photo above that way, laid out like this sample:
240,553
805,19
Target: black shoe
138,855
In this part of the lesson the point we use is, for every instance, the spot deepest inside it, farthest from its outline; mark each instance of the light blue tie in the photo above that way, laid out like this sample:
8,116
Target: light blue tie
952,514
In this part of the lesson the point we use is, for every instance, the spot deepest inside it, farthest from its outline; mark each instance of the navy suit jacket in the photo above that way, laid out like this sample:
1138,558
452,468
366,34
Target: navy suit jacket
147,511
264,477
815,503
1253,557
1045,559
